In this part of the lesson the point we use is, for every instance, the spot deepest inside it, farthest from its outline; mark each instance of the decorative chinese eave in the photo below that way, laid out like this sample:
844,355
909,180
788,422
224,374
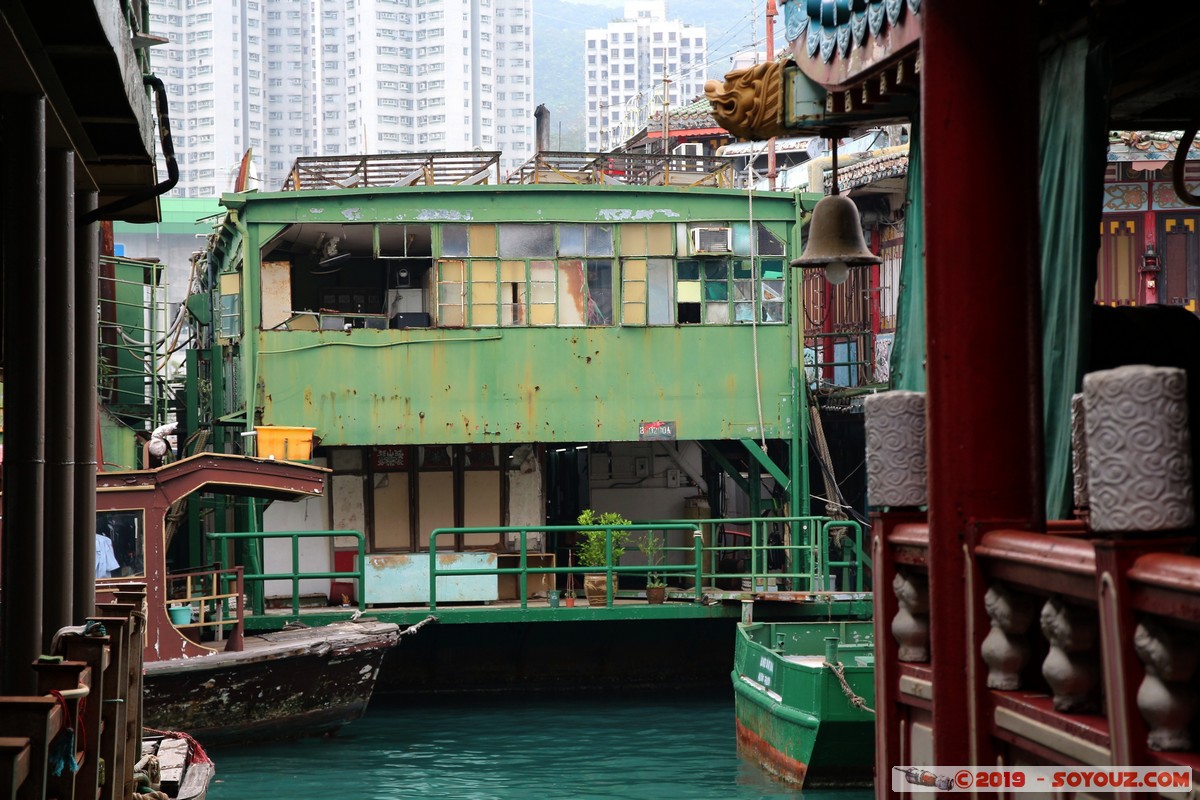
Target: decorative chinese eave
850,63
861,51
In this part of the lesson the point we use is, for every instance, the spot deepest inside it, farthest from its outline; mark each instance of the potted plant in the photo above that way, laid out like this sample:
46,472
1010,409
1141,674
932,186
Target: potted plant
656,587
593,552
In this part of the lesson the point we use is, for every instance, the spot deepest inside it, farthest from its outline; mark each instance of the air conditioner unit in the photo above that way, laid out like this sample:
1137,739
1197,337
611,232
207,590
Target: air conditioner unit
689,149
711,241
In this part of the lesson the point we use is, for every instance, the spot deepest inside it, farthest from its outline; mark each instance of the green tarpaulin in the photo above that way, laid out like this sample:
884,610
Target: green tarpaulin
908,352
1073,142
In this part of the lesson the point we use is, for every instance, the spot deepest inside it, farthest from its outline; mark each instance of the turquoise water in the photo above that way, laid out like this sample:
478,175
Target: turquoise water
513,748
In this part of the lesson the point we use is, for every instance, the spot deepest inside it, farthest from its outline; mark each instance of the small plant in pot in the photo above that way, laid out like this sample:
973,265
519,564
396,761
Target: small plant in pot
592,552
569,594
656,586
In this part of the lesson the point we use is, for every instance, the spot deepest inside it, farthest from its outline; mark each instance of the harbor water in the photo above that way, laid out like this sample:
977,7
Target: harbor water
508,748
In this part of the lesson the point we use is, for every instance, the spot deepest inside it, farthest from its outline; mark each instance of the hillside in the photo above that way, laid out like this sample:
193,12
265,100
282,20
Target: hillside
558,51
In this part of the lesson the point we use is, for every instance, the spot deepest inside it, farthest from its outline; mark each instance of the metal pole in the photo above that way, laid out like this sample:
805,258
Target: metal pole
87,260
984,414
58,569
772,172
23,255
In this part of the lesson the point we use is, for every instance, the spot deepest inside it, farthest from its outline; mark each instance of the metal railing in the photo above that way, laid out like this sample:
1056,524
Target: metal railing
805,558
801,559
629,169
609,569
210,589
296,575
393,169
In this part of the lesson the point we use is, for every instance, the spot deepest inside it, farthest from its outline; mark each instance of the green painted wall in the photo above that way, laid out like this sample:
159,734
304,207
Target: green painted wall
512,203
525,385
180,215
510,384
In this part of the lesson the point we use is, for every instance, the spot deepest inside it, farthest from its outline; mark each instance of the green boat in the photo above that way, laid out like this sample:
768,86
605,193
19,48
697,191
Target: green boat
796,717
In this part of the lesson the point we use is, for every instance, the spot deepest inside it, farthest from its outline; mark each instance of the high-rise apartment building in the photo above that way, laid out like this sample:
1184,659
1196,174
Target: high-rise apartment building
328,77
624,70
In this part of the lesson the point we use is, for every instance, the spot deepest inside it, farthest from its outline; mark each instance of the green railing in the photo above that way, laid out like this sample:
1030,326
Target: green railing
692,571
800,562
804,551
295,576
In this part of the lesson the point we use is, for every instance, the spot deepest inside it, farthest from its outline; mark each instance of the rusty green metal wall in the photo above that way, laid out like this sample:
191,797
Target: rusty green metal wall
525,385
509,384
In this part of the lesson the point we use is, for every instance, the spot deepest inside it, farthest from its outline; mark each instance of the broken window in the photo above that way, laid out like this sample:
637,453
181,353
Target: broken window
585,292
688,294
773,290
648,291
513,299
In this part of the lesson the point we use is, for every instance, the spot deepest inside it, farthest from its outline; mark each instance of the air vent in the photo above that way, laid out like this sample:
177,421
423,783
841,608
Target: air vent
711,240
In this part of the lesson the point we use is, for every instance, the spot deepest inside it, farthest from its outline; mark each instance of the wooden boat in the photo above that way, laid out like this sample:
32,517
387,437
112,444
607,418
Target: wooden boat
304,681
796,715
236,688
175,765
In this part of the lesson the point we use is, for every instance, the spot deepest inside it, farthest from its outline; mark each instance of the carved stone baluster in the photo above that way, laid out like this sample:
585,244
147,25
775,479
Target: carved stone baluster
1006,648
910,626
1071,667
1167,697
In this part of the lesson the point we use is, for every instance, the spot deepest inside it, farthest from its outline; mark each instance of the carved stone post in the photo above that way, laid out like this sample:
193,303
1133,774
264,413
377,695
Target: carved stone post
895,432
1139,457
1079,467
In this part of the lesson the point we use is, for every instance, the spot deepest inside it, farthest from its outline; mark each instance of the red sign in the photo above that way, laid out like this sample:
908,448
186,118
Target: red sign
662,430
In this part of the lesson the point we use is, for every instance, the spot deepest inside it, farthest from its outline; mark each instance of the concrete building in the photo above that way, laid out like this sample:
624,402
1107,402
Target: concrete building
625,66
328,77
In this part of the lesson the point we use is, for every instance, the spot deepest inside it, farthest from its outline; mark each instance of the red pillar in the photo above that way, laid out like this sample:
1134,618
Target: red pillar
979,96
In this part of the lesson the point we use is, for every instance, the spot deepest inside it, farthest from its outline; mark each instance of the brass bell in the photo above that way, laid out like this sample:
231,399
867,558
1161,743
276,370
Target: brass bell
835,239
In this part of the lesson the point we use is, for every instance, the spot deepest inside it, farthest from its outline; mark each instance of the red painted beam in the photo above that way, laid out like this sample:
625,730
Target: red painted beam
979,95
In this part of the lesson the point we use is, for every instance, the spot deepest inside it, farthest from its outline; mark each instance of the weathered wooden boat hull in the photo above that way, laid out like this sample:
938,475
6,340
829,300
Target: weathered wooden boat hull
176,765
281,685
792,716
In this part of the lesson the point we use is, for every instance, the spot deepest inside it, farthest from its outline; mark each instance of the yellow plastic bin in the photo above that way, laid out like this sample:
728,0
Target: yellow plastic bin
284,443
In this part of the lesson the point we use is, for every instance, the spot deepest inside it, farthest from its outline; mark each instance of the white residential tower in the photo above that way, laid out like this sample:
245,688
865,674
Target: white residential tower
625,64
328,77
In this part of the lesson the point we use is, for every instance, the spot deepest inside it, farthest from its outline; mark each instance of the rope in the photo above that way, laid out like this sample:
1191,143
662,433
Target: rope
831,487
756,284
855,700
196,755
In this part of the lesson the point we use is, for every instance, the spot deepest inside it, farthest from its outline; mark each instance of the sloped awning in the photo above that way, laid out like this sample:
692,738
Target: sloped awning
213,472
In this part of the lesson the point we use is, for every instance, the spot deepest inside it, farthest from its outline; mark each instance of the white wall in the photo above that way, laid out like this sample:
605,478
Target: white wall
616,486
310,514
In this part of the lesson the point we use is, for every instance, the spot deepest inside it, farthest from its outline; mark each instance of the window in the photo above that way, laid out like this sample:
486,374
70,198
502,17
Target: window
229,288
